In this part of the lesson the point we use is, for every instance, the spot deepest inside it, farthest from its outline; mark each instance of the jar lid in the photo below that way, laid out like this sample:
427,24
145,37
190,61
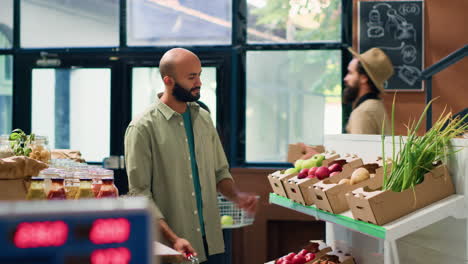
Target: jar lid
86,179
81,174
105,179
37,178
49,173
57,179
105,173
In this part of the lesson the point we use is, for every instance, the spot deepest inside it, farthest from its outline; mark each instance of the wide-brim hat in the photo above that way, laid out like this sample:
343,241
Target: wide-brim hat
377,64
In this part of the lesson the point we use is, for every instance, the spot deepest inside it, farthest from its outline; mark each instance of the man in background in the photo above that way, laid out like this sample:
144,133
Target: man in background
364,82
174,157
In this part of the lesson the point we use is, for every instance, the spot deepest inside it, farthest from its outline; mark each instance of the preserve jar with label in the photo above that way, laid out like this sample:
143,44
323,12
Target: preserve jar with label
36,189
85,191
108,188
57,190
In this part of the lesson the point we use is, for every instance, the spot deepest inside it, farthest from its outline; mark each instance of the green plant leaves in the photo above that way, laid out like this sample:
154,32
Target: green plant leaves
19,142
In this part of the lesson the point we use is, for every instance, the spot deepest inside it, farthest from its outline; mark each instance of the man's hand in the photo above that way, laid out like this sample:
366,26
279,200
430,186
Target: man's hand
246,201
184,247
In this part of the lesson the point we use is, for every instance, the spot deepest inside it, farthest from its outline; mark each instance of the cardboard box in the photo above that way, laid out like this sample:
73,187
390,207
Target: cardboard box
380,207
277,180
296,151
14,189
298,189
330,196
15,176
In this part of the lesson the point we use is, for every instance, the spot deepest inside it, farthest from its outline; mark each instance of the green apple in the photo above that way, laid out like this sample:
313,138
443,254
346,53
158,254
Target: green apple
291,171
227,220
298,164
319,159
309,163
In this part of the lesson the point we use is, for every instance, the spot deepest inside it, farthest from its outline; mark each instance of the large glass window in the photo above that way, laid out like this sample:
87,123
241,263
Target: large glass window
6,90
181,22
147,84
72,108
6,24
273,21
292,96
58,23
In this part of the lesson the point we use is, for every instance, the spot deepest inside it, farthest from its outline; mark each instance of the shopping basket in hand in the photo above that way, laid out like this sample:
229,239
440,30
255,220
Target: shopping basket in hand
240,217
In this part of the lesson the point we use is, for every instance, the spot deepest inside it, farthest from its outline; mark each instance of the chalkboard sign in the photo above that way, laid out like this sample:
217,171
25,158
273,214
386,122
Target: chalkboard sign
397,28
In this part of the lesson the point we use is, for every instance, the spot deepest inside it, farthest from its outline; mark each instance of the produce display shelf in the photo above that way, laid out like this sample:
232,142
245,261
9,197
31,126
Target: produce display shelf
450,206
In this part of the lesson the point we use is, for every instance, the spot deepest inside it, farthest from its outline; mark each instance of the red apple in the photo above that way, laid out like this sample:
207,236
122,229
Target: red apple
311,176
303,173
341,162
289,256
335,167
322,173
312,171
303,252
285,261
309,257
334,173
279,261
299,259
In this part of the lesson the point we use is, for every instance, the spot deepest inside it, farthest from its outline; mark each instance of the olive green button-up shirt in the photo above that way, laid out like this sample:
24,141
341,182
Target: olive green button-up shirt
158,166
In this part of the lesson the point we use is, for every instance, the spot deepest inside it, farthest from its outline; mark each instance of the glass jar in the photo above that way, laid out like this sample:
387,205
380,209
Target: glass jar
40,149
70,188
98,175
36,189
108,188
48,174
5,147
57,190
85,191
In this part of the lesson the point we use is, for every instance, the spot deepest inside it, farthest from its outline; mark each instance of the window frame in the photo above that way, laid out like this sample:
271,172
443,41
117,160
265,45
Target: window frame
230,61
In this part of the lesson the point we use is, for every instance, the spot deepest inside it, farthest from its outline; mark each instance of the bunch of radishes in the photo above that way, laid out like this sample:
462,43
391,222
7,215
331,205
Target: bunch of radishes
302,257
321,172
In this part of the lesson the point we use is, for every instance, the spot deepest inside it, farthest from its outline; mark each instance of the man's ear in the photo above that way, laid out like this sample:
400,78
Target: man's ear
168,81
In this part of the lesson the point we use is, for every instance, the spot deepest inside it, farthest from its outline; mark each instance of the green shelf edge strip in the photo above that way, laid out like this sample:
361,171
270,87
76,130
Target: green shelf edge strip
363,227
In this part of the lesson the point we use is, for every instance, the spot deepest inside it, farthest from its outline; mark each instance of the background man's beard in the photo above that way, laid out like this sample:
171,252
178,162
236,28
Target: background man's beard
183,95
350,94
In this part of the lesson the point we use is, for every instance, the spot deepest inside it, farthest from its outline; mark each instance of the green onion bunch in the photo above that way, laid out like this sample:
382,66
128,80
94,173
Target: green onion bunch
420,154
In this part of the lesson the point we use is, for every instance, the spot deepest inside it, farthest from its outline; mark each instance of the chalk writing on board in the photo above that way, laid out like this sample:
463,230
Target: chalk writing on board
395,27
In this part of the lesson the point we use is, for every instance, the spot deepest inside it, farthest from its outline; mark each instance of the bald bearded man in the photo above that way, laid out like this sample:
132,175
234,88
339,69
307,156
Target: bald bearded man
174,157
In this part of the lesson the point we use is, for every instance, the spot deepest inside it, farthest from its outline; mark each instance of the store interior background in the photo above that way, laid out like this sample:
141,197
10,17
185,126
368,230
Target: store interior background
276,230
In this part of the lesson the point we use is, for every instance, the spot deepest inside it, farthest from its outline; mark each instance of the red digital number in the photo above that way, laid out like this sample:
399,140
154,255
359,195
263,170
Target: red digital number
112,230
111,256
41,234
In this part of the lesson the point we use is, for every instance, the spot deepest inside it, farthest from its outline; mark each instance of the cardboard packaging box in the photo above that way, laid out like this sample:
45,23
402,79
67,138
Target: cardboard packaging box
15,176
298,189
330,196
380,207
277,180
296,151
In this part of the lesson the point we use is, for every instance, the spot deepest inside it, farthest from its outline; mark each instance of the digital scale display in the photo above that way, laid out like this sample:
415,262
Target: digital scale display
108,231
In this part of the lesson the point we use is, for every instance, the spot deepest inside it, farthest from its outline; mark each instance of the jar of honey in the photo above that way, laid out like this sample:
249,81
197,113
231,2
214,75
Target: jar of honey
36,189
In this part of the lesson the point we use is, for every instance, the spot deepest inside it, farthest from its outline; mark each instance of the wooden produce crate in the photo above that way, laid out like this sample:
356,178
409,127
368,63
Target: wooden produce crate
298,189
277,179
330,196
380,207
